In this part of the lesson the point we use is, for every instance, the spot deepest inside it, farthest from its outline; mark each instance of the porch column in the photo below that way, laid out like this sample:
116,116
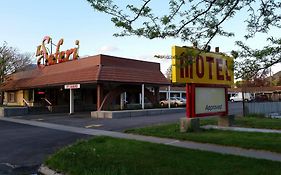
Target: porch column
71,101
169,96
157,94
142,96
122,100
33,94
99,96
125,96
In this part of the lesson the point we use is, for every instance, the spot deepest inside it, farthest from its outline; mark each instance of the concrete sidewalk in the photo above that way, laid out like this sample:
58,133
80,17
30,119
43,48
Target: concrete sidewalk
240,129
258,154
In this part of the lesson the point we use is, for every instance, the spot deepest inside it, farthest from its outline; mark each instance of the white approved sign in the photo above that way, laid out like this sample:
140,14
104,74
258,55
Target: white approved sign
72,86
209,100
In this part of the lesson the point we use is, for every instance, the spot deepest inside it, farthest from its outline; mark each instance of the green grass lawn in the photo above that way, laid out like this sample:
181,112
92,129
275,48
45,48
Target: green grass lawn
262,141
253,121
110,156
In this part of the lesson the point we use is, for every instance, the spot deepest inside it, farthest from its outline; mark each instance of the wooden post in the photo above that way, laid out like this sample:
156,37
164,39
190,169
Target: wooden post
188,101
99,96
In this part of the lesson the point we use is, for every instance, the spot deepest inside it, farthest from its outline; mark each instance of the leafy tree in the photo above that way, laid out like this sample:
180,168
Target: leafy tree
199,21
11,61
278,83
238,84
260,80
168,73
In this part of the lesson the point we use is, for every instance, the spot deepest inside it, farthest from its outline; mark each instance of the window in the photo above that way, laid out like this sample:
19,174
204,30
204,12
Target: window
11,97
30,95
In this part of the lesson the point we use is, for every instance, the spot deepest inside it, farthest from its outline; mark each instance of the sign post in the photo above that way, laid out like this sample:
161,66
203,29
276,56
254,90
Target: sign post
71,102
71,96
207,76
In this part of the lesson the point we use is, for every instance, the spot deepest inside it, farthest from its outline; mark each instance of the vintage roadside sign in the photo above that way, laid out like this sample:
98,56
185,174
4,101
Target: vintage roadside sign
207,76
47,58
72,86
191,65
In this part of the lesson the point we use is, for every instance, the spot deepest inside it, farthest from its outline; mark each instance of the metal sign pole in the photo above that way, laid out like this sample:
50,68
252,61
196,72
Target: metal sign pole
71,88
142,96
169,96
71,102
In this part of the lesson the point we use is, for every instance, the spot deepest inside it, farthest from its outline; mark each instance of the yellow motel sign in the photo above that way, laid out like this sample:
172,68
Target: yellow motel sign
190,65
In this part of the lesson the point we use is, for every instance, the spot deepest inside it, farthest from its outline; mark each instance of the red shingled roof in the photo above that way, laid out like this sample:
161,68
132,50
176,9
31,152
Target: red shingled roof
88,70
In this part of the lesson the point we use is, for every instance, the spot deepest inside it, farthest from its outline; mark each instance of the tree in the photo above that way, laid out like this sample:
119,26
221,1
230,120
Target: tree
260,80
278,83
200,21
11,61
168,73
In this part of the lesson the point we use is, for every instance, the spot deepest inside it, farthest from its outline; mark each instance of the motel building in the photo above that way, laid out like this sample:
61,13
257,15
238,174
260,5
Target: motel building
95,83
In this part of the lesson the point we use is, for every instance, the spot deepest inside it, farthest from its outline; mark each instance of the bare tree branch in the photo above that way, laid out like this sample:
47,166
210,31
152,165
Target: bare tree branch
141,9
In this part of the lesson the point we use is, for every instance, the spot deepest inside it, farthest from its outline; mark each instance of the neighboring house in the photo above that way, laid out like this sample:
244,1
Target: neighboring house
272,93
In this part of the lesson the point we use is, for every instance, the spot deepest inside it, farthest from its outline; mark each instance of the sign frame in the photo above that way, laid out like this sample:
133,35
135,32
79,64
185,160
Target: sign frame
191,102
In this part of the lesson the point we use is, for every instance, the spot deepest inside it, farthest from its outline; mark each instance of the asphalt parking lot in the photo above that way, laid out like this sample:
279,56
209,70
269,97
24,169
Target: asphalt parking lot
23,148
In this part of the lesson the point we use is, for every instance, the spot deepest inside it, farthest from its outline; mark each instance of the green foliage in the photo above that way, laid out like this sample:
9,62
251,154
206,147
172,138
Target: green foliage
259,116
109,156
250,121
256,61
200,21
278,83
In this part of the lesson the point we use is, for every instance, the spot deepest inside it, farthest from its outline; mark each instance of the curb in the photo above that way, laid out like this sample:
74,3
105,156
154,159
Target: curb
43,169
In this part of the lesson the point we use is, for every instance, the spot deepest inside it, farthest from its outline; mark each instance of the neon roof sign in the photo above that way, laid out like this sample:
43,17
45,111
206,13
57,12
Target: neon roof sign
46,57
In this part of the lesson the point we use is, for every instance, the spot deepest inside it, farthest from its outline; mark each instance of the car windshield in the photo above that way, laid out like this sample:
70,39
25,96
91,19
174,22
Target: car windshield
181,99
178,98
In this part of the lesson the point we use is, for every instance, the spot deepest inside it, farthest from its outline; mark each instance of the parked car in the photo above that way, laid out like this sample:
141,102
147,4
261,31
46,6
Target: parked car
174,101
238,97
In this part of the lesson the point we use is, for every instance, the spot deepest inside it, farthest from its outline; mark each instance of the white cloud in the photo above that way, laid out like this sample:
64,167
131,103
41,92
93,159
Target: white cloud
108,49
164,63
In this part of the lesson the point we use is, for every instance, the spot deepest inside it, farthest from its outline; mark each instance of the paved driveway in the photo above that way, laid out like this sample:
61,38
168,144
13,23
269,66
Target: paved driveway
23,148
84,120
